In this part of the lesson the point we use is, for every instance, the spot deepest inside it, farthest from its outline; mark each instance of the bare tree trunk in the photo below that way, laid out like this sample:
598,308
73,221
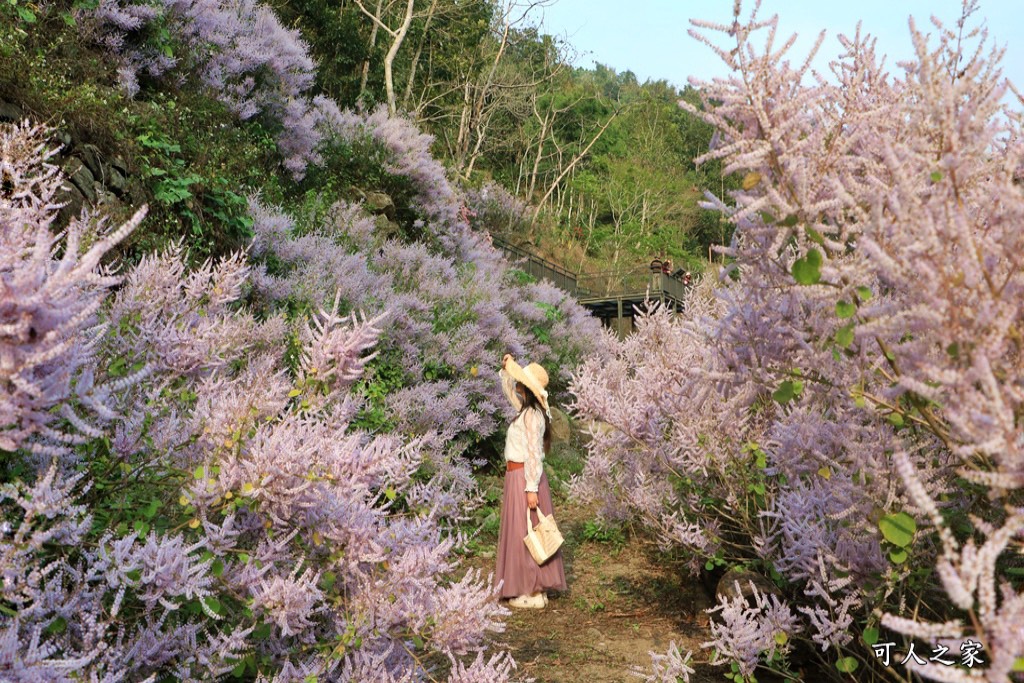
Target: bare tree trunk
397,37
389,58
540,151
462,142
416,59
474,116
481,132
373,44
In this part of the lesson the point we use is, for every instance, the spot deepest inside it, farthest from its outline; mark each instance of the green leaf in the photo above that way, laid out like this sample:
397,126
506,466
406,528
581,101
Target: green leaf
898,528
895,419
844,309
898,556
327,580
709,565
807,270
871,635
134,575
417,642
1018,664
864,293
847,665
239,669
149,512
199,473
814,236
390,493
953,350
214,604
119,368
58,625
787,391
26,15
790,220
781,638
1015,571
141,527
936,176
217,568
294,392
844,336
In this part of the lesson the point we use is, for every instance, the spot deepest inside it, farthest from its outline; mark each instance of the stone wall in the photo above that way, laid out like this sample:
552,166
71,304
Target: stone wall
90,177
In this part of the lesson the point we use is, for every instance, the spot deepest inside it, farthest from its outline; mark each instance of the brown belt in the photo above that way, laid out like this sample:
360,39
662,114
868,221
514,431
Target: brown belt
513,466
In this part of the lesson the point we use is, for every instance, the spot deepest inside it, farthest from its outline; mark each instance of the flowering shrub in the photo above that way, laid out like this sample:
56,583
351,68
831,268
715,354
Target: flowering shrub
843,412
48,306
448,320
493,208
239,50
224,516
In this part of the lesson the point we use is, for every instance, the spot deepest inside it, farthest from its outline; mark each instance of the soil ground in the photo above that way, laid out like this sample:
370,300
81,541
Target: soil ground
623,601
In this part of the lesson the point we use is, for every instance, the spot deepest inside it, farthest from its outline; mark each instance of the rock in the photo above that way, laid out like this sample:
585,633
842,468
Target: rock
591,428
11,112
380,203
119,164
560,431
116,181
727,585
387,228
64,138
79,174
73,200
90,155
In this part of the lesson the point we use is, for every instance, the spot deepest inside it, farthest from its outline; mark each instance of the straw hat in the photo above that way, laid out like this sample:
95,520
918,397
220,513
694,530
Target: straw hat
534,377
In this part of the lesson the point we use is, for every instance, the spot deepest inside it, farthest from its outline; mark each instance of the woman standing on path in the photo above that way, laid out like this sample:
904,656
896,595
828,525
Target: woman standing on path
526,487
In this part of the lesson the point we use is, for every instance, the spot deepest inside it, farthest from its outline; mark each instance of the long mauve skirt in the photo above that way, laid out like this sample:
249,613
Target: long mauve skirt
516,566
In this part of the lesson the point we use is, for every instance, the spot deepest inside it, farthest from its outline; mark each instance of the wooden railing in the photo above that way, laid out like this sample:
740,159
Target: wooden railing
609,295
634,283
538,267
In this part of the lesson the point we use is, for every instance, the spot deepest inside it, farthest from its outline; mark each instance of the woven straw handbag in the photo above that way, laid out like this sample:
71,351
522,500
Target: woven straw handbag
542,540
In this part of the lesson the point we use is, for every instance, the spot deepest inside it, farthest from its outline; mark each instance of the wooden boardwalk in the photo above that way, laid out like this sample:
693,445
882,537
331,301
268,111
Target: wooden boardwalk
611,296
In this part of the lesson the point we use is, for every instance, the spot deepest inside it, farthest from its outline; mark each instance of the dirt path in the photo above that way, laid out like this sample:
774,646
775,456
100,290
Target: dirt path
621,604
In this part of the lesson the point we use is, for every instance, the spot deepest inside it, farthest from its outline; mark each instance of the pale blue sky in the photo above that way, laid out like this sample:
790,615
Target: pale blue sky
649,37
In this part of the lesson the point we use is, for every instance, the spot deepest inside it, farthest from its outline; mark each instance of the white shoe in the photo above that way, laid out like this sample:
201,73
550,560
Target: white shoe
535,601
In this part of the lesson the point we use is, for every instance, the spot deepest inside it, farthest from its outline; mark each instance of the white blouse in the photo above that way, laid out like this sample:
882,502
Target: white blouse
525,440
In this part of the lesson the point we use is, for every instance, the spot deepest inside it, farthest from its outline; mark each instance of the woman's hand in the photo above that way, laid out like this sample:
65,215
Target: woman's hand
531,500
505,359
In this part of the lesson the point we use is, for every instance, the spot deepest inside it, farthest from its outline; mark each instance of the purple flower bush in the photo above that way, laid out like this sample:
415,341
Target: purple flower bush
187,492
48,305
239,51
448,319
842,411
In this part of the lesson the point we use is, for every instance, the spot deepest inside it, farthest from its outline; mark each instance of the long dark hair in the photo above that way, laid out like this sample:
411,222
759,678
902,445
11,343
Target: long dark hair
533,402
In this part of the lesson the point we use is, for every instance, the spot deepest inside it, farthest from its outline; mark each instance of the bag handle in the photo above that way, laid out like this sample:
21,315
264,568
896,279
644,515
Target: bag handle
529,520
